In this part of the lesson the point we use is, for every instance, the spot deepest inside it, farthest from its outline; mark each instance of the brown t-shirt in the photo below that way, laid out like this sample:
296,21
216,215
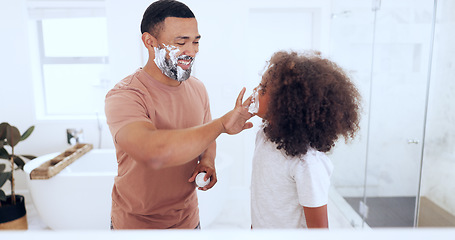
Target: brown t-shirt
144,198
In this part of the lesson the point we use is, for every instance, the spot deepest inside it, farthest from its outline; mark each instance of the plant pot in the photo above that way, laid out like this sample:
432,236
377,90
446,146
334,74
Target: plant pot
13,217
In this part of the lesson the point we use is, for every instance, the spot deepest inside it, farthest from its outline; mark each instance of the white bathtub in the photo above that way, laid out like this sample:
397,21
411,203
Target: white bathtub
79,197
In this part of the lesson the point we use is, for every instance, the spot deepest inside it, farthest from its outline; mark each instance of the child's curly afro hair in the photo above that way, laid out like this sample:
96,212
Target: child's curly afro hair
312,102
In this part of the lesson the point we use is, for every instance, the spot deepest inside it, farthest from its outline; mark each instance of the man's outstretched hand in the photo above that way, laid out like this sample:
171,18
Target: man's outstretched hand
235,121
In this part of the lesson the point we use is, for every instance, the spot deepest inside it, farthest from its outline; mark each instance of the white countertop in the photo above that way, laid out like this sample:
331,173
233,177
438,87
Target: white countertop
348,234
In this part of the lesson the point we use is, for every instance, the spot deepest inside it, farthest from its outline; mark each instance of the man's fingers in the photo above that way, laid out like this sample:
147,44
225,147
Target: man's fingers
240,97
247,102
193,177
247,125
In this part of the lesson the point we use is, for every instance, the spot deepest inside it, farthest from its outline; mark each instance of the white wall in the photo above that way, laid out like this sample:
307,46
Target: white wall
15,83
16,91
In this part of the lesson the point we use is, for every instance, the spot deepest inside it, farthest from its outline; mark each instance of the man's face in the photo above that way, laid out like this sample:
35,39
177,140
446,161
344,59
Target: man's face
178,44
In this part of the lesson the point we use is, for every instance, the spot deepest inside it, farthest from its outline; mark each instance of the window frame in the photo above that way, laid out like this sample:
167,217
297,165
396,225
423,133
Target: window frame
42,10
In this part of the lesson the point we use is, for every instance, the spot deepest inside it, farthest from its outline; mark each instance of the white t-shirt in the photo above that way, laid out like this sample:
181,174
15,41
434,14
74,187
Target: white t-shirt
282,185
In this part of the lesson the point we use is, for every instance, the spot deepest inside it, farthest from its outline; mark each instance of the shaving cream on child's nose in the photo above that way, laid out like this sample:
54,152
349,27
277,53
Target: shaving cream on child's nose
254,105
200,180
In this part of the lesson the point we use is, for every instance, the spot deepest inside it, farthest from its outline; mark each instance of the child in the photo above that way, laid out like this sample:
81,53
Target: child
306,103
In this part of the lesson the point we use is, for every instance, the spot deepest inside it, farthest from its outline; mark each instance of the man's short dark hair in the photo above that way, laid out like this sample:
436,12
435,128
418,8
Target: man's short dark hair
158,11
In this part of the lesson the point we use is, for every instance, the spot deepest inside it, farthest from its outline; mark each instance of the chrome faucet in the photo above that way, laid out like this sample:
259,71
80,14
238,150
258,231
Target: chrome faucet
74,136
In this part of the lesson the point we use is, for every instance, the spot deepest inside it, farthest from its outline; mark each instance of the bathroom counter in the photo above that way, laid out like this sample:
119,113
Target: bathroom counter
378,234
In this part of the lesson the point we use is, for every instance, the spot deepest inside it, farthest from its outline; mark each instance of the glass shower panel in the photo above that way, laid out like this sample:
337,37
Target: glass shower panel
437,201
351,45
397,112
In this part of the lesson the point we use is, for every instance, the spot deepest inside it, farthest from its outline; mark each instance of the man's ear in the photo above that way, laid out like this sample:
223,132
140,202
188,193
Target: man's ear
149,41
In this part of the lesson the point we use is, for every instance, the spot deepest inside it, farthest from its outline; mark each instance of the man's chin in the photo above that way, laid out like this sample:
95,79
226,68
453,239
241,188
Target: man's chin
183,74
182,79
178,78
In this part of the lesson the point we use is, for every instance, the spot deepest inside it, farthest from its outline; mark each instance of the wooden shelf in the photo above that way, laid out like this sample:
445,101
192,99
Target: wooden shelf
53,166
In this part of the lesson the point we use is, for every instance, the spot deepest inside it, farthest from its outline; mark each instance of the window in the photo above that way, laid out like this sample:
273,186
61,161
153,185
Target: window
73,60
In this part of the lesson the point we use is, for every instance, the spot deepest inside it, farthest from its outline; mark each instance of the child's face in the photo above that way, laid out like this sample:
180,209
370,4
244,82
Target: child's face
263,99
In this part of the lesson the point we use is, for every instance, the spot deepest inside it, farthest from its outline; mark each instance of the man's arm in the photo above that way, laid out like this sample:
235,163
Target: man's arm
165,148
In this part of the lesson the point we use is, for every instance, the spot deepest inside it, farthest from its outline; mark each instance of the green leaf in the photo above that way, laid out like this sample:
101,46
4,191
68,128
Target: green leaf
13,136
3,127
4,176
4,154
2,195
27,133
19,162
30,157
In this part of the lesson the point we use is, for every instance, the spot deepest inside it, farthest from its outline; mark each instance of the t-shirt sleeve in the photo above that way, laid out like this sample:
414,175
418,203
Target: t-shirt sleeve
124,106
208,114
312,179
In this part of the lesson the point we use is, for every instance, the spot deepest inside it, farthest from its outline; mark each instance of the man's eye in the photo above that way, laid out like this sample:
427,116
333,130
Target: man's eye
195,42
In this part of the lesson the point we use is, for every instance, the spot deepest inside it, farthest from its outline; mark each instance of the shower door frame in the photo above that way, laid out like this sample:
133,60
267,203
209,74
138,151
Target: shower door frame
419,140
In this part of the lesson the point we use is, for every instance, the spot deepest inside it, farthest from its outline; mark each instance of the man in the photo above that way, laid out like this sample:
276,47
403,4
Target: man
161,124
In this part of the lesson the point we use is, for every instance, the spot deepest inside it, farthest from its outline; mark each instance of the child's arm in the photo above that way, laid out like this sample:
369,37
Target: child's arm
316,217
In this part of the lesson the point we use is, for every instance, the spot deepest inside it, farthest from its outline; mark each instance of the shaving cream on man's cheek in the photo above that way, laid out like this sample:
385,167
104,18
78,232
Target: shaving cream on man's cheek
169,66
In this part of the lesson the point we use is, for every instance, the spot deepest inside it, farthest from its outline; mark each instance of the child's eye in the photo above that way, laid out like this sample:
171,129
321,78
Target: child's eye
180,44
261,91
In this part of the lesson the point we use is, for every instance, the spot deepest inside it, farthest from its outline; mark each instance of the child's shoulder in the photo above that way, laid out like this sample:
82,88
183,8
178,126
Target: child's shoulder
260,135
315,160
313,155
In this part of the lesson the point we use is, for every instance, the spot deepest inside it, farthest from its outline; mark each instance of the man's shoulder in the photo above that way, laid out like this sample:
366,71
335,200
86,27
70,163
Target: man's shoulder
194,80
130,83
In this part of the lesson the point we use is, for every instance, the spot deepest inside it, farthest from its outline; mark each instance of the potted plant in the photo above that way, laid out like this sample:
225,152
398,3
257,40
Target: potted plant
12,207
